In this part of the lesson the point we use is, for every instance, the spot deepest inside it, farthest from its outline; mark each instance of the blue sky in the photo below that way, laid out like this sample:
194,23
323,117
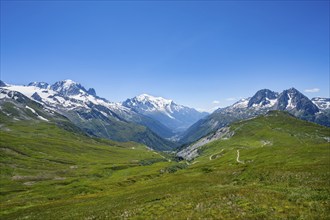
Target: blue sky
199,53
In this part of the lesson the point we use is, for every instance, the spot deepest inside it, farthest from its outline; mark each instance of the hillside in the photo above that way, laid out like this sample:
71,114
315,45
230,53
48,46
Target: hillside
91,114
290,100
45,159
282,171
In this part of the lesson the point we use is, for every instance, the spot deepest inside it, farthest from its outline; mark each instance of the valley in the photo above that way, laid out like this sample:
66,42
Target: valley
272,166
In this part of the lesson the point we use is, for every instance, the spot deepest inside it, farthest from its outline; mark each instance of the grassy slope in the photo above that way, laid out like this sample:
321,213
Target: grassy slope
93,123
43,164
114,129
215,121
285,175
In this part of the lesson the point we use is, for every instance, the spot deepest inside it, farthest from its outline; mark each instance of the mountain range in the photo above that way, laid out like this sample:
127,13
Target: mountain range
102,118
291,100
157,122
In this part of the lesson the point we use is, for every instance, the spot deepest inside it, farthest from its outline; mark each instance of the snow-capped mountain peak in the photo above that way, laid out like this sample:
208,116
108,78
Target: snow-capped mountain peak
68,87
41,85
63,94
292,99
264,97
159,101
321,103
2,84
150,103
172,115
242,103
71,88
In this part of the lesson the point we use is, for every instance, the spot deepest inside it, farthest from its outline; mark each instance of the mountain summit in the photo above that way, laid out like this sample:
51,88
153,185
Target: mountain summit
150,103
290,100
70,88
174,116
263,97
293,100
41,85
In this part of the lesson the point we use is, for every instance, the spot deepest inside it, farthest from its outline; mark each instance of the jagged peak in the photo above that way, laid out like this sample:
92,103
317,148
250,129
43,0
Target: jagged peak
67,83
292,90
293,93
2,83
320,99
262,98
41,85
68,87
70,81
91,91
266,91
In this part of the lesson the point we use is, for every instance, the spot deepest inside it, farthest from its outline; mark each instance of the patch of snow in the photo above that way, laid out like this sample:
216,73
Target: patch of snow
3,96
272,102
321,103
6,113
42,118
26,90
257,105
30,90
243,103
68,83
103,113
59,99
34,112
31,109
290,105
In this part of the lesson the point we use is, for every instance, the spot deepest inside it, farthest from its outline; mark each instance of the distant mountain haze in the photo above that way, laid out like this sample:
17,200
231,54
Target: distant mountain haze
176,117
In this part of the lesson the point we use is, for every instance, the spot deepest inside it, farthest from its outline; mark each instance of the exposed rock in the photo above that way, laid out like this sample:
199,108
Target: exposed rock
191,151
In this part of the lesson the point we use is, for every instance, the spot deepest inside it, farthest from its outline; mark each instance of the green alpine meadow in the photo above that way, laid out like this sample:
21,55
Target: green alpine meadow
274,166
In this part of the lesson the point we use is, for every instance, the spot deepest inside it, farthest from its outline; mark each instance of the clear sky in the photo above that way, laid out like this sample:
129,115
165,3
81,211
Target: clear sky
201,54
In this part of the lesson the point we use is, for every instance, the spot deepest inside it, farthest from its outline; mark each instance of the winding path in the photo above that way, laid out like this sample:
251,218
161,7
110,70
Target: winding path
237,158
191,163
215,154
